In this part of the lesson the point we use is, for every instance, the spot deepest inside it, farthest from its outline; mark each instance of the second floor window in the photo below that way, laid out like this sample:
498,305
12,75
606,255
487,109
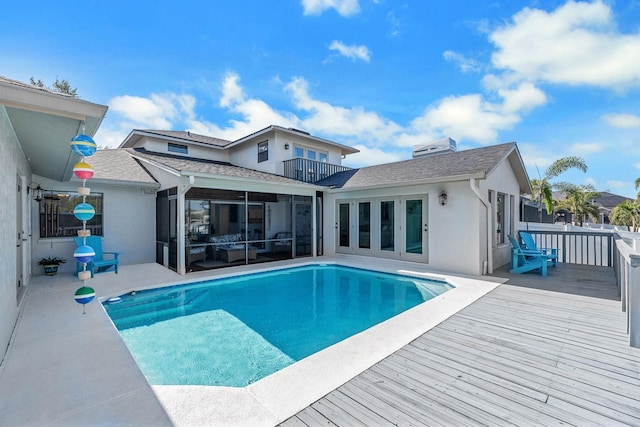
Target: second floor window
310,154
263,151
178,148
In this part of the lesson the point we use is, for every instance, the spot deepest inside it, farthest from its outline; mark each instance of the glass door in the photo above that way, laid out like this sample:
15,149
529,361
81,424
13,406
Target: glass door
364,225
415,228
387,226
343,227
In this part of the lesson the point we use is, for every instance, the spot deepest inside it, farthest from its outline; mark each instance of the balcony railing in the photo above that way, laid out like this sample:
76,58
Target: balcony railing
310,170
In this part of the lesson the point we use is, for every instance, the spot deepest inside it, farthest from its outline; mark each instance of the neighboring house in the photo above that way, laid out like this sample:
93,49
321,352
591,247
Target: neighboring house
605,203
193,202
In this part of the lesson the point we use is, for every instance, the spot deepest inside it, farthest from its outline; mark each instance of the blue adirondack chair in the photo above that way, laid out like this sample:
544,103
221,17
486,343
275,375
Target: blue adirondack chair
524,260
529,243
99,264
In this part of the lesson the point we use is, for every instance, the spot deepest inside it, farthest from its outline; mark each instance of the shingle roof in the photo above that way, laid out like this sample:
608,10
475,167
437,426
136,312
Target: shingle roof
118,165
210,167
476,162
606,200
189,136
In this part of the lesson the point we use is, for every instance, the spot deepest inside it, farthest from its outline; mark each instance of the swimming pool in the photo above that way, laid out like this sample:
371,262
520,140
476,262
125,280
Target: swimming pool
235,331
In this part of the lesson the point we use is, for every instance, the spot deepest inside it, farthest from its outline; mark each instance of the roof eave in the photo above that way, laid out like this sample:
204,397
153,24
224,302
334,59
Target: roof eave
293,183
429,181
137,134
344,149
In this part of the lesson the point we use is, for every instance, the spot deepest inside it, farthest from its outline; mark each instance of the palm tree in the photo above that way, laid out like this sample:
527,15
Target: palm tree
542,187
626,213
579,201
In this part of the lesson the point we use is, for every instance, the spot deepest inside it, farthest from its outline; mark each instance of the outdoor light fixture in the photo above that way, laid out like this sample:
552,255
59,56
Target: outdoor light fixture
38,192
443,198
286,145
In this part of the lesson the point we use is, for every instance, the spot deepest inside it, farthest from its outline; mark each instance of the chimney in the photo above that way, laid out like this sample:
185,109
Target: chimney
444,145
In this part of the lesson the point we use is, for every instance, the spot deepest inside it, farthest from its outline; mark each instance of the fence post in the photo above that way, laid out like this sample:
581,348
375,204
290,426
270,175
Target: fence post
633,301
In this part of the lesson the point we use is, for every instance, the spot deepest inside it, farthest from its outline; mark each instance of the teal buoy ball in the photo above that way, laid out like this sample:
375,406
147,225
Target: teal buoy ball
84,295
84,211
84,254
83,145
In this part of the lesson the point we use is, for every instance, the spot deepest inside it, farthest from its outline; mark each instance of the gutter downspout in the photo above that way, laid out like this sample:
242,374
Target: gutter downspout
487,205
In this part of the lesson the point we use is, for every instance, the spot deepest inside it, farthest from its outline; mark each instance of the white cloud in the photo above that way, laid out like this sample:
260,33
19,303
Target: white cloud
352,52
473,117
524,98
373,156
617,184
343,7
576,44
624,121
466,65
354,122
394,23
584,148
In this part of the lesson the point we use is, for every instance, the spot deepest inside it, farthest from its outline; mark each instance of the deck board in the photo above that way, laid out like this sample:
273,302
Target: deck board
535,351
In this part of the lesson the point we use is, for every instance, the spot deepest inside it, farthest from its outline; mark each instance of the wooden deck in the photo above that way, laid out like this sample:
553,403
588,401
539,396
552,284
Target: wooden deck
535,351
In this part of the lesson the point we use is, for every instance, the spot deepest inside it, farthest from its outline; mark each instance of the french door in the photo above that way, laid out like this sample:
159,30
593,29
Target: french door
414,236
385,227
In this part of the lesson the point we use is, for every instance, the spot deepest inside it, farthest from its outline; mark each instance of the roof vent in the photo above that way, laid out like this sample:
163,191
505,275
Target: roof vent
443,145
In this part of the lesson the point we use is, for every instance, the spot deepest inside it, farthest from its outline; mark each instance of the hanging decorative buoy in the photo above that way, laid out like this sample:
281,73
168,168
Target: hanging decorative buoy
83,145
83,170
84,211
84,254
84,295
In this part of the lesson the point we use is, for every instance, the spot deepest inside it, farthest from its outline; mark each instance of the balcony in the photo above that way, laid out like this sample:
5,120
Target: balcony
310,170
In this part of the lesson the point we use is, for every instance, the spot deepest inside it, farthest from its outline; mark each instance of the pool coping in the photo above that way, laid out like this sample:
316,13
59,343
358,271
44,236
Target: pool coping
282,394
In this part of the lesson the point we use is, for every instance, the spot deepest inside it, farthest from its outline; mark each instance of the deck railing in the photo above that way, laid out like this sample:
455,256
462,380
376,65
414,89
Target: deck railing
310,170
615,249
578,247
626,265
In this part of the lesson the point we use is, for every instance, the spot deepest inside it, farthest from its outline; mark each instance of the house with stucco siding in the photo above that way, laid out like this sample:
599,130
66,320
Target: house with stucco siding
193,202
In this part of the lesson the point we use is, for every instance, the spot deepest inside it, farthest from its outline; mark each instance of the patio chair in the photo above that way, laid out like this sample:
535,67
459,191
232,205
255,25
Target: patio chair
99,264
530,244
524,260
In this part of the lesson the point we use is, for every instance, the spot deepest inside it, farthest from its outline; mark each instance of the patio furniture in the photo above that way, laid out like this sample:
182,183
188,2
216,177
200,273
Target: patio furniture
195,253
524,260
283,243
236,253
99,264
530,244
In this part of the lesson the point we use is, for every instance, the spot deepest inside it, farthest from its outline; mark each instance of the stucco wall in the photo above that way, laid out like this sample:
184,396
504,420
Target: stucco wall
453,236
12,164
128,224
503,180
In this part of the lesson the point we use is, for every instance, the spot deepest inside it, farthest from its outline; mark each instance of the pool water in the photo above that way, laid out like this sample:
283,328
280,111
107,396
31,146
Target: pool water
235,331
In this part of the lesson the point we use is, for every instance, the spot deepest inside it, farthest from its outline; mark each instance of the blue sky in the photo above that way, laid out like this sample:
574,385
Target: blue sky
558,77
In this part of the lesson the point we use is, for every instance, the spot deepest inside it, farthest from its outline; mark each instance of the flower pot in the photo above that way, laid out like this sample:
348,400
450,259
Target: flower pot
50,270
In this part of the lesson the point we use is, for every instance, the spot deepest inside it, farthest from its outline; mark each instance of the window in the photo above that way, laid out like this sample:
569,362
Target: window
310,154
500,218
56,214
178,148
263,151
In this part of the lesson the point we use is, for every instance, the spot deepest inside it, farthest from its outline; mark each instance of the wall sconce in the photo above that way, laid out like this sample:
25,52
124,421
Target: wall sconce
38,192
443,198
286,145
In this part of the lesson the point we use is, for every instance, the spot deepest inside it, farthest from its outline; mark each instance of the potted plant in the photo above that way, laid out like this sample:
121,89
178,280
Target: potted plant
51,264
